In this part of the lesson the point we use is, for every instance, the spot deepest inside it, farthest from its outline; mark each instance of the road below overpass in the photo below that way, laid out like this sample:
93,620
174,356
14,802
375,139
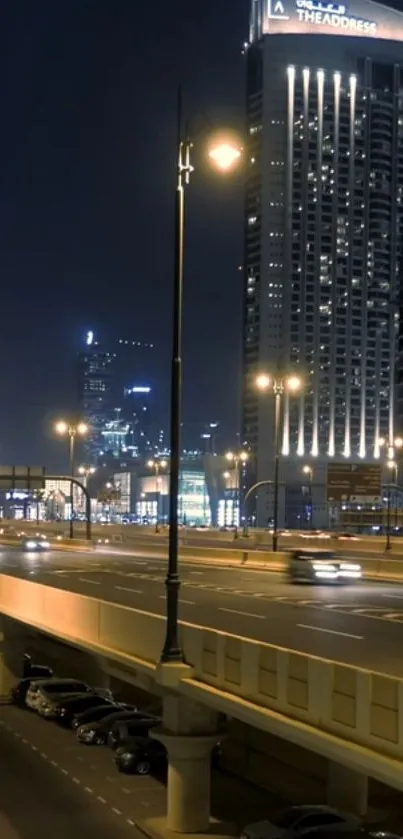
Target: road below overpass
360,625
52,786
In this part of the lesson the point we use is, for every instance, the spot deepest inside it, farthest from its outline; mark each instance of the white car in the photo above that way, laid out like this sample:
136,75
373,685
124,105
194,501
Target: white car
295,821
41,693
35,543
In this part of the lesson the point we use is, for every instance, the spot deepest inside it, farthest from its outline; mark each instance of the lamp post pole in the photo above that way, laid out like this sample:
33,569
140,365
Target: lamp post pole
278,392
172,650
72,440
224,155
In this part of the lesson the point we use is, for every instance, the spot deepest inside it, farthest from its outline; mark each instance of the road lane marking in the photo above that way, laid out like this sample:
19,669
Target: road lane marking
115,810
393,596
181,600
90,582
89,790
102,800
197,573
129,821
246,614
330,631
64,772
126,588
75,780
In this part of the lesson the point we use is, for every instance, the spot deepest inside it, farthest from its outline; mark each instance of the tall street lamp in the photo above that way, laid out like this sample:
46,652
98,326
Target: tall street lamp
85,472
278,384
237,458
390,444
308,471
71,430
157,465
223,155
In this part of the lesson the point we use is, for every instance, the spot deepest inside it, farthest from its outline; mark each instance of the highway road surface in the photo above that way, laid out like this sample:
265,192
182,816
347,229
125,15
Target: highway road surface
360,625
52,787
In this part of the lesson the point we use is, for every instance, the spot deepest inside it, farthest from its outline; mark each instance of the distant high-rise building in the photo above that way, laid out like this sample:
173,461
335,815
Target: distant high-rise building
107,395
324,227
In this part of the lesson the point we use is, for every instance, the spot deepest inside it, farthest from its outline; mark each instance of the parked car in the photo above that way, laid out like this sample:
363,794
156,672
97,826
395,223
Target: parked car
45,691
296,821
32,669
122,730
316,566
95,714
142,755
20,690
96,733
68,707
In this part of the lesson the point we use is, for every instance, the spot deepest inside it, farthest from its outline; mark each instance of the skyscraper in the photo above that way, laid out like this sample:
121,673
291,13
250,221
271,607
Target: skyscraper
324,227
106,376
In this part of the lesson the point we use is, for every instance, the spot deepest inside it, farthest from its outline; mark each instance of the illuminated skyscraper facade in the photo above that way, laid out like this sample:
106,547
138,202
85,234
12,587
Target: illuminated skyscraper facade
324,226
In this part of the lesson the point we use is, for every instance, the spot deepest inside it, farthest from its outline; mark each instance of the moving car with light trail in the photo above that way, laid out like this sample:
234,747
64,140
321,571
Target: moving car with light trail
316,566
35,543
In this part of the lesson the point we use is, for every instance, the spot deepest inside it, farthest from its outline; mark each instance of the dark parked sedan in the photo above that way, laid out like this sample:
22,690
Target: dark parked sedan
96,733
122,730
93,714
20,690
68,709
142,755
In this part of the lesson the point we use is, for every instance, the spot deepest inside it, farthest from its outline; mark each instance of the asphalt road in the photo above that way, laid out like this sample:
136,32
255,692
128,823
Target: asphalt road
359,625
53,786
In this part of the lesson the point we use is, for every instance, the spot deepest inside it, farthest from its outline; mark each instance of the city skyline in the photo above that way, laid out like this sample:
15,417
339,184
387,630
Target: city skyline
87,212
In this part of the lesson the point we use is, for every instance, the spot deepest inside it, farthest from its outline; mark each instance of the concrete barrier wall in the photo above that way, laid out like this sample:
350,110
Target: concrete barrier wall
248,679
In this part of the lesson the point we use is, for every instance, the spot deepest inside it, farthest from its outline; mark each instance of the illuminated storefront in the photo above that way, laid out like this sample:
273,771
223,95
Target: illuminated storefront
310,17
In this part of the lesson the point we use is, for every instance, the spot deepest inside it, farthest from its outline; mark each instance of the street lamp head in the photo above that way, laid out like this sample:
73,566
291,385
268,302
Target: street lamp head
224,154
163,464
307,470
243,457
61,427
108,485
81,470
226,475
381,441
293,383
391,464
82,428
230,456
263,381
398,442
150,464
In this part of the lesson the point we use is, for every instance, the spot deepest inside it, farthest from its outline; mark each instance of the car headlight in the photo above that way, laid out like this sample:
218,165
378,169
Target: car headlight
45,544
31,545
317,566
350,566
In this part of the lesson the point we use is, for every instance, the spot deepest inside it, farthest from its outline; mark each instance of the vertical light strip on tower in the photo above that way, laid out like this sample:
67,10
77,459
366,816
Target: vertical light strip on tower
286,290
333,337
348,292
320,75
302,332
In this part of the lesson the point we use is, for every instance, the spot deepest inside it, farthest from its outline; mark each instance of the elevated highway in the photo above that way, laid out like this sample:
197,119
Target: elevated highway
350,715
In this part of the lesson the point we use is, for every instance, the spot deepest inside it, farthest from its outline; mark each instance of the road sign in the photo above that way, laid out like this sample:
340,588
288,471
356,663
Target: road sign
22,477
354,482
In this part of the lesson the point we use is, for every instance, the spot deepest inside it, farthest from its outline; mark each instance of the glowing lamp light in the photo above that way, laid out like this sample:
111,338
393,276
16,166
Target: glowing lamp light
263,381
294,383
224,155
82,428
61,427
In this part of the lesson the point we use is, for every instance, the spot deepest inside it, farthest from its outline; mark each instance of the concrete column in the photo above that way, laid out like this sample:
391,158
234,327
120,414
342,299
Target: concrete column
347,789
12,648
189,777
189,732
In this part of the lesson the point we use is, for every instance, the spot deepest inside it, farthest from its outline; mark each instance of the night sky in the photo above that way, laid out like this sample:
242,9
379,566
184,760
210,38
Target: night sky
87,151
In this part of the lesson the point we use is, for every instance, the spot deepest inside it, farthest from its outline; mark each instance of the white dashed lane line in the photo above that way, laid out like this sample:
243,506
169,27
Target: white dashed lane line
126,588
75,780
181,600
90,582
330,631
245,614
